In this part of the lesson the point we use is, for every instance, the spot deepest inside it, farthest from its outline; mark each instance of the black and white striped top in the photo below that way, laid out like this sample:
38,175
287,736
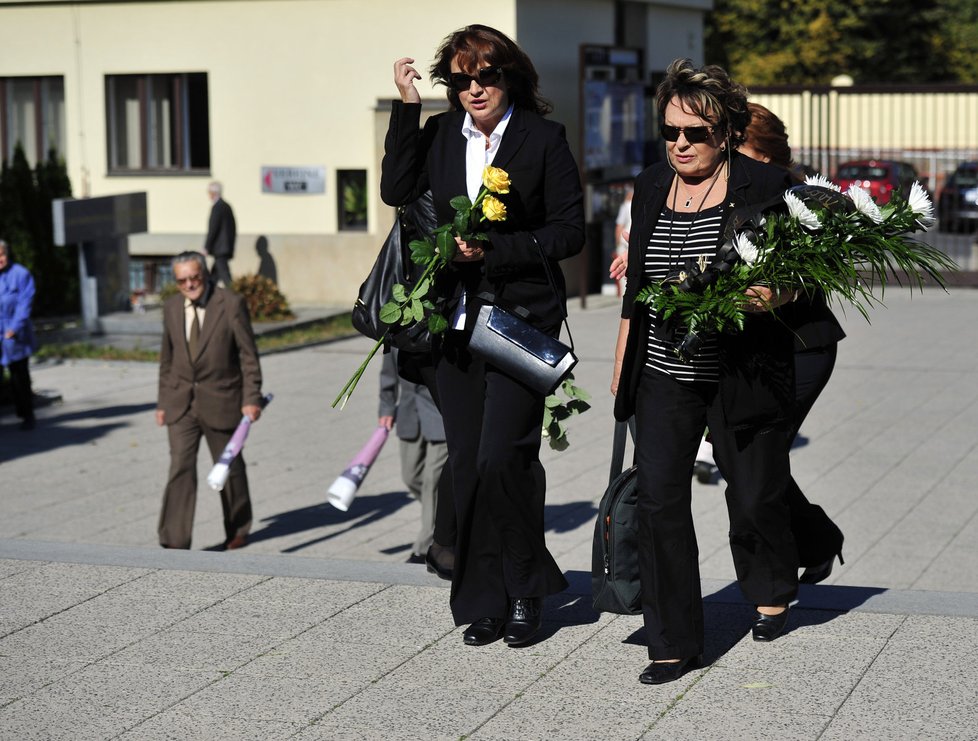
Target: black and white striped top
679,236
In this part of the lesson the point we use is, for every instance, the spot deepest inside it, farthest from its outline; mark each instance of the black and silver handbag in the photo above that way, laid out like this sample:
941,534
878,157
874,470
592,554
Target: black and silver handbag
505,339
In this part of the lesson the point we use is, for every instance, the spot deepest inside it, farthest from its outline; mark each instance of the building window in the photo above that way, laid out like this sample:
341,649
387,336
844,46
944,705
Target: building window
32,114
351,189
158,123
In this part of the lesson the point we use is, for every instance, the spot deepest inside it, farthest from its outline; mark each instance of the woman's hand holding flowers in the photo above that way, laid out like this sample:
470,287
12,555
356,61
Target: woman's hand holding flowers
470,251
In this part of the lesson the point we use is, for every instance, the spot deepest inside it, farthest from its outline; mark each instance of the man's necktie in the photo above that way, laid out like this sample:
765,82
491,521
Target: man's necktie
194,340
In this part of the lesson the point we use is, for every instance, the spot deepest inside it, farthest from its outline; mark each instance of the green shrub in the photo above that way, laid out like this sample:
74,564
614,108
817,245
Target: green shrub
265,301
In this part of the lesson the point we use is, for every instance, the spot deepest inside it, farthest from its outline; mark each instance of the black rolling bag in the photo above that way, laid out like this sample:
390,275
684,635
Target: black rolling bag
615,583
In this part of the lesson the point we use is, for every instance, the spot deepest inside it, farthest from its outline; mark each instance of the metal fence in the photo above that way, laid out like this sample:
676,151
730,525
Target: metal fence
932,127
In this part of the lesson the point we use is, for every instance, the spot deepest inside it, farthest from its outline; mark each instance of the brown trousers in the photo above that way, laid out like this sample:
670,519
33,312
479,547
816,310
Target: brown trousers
180,496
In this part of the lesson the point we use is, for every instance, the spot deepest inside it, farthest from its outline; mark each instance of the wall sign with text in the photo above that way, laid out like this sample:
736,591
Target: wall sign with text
293,180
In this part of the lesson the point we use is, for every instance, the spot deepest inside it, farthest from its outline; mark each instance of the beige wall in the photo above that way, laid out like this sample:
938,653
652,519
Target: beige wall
290,83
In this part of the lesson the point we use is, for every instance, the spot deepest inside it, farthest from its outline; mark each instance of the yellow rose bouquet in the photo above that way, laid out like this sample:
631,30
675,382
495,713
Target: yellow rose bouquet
414,304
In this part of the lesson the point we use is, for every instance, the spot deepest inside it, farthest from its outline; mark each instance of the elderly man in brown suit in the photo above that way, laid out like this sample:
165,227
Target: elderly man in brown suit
209,377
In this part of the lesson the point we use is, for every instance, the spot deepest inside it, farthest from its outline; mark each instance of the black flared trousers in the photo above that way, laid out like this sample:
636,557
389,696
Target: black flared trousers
492,426
670,417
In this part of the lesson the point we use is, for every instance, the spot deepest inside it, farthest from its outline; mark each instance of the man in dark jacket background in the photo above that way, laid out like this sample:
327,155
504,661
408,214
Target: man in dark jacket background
221,233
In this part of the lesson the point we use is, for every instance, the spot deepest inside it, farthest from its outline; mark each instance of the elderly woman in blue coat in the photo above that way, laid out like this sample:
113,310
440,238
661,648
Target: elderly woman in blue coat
17,332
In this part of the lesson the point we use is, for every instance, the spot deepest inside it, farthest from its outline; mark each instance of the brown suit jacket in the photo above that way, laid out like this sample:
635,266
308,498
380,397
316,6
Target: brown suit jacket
226,373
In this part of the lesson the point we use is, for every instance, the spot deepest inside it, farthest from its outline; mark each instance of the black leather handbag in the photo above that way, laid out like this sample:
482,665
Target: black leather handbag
505,339
393,265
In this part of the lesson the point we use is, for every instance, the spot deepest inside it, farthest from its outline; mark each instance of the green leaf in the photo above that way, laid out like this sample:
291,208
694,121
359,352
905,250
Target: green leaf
551,401
437,324
422,250
421,289
461,203
461,223
399,293
390,313
547,418
446,246
417,310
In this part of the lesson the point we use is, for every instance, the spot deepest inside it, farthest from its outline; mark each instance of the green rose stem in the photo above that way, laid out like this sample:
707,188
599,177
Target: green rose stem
347,391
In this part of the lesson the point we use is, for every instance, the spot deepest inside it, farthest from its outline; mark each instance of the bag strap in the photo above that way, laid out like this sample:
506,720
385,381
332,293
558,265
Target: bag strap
553,286
618,447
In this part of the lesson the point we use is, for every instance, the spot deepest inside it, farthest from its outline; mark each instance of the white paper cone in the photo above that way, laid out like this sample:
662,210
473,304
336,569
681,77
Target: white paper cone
218,476
341,493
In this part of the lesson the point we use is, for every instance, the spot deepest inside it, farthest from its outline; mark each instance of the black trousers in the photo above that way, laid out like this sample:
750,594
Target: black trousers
817,536
221,270
670,417
492,426
20,388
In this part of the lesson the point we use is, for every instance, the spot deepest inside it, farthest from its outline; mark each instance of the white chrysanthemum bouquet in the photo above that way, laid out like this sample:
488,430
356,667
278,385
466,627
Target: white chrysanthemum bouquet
814,238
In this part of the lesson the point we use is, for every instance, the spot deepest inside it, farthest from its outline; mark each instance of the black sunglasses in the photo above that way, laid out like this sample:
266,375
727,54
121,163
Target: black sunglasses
484,77
693,134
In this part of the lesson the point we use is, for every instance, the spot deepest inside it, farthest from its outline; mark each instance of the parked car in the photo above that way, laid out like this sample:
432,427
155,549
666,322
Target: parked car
879,178
957,208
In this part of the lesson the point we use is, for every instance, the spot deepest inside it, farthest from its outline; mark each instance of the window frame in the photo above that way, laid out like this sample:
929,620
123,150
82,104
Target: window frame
181,119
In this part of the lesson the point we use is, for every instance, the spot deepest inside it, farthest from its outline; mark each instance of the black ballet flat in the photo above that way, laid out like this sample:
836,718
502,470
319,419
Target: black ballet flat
659,672
816,574
768,627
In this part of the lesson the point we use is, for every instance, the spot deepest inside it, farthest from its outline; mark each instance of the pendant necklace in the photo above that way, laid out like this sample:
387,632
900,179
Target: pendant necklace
692,223
689,195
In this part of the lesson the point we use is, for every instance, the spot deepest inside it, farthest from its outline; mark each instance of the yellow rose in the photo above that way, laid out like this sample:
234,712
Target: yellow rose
493,209
496,179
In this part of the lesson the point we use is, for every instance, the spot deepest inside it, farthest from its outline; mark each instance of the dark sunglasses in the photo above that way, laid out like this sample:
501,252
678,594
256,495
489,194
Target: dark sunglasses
693,134
484,77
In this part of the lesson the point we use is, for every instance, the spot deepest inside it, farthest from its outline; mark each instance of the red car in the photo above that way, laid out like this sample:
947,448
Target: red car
879,178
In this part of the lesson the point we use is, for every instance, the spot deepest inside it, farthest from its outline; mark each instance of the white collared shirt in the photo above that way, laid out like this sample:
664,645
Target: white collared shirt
477,155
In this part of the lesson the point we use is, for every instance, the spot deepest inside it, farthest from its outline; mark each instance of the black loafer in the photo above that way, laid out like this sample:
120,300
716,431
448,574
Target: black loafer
768,627
483,631
660,672
525,619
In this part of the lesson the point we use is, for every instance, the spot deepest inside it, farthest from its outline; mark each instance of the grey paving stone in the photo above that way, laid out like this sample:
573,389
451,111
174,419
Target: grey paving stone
399,615
690,721
405,713
804,654
350,664
124,690
9,567
70,642
773,690
22,675
540,717
175,725
47,719
192,651
278,699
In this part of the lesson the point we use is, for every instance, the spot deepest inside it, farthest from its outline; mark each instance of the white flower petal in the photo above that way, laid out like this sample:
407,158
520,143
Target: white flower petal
746,249
864,203
820,181
921,205
798,210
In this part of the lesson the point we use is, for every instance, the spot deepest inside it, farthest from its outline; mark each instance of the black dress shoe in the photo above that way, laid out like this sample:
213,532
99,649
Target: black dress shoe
431,559
660,672
525,619
768,627
483,631
816,574
415,558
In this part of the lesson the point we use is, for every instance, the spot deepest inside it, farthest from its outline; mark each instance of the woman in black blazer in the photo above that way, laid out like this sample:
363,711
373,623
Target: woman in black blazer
502,567
740,385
